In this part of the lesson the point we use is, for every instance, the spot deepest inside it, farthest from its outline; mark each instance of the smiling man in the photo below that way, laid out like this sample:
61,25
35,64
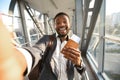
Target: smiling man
56,66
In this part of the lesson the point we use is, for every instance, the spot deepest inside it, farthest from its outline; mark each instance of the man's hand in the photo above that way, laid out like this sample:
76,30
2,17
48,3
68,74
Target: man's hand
5,42
12,62
72,54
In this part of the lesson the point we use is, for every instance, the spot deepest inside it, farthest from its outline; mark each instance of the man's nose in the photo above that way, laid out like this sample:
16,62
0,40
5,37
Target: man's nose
62,24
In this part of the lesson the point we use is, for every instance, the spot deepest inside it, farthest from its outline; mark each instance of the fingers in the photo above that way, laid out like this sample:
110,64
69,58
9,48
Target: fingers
73,51
75,60
72,54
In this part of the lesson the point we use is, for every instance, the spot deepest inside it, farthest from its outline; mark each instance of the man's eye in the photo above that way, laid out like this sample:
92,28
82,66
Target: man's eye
58,23
64,22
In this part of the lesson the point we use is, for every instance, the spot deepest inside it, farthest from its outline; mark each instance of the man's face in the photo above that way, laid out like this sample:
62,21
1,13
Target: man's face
62,25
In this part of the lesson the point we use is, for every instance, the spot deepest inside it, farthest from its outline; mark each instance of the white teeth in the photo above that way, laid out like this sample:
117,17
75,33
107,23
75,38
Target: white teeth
62,28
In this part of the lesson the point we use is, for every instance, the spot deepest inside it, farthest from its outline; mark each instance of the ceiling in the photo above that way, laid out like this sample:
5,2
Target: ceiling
51,7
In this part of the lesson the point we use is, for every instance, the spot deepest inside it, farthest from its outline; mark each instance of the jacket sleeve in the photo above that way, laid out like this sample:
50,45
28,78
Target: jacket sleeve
81,69
35,54
37,51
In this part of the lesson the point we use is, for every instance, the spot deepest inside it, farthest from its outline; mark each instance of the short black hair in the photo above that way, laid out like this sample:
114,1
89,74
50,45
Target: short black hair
61,13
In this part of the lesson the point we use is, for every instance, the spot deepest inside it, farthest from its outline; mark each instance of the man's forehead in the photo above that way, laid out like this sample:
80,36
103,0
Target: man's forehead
64,17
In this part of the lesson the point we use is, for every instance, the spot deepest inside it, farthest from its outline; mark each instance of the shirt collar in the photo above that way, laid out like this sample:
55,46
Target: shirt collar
70,33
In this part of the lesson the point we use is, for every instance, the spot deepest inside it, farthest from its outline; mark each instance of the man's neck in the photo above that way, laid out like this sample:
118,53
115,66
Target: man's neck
63,38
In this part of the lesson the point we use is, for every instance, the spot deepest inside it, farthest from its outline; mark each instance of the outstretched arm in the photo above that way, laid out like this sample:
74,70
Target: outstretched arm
12,62
74,55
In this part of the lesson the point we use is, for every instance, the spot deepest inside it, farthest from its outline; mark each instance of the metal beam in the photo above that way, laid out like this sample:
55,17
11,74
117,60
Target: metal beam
24,27
28,9
53,2
12,6
93,20
85,16
95,12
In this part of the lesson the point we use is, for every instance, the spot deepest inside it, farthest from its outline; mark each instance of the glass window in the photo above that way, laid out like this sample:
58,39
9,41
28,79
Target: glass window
112,43
113,18
112,58
93,47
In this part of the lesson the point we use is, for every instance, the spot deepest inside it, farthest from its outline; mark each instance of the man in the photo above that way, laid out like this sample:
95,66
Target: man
55,67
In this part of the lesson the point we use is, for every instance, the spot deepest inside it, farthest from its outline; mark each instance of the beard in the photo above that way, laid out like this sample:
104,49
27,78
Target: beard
60,35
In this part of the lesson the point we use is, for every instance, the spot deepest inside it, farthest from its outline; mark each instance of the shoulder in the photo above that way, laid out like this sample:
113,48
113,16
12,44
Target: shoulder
46,38
43,39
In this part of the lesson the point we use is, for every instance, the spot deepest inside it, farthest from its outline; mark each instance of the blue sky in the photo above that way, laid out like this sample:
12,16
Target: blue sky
4,6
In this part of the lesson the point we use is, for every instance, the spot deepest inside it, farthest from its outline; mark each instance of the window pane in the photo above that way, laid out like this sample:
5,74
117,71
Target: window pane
113,17
112,47
94,42
112,60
